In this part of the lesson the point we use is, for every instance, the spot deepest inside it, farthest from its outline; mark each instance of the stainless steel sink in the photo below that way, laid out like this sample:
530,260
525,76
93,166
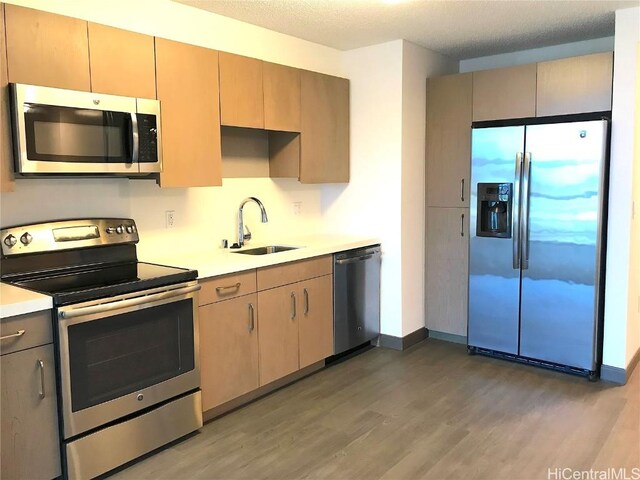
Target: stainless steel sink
266,250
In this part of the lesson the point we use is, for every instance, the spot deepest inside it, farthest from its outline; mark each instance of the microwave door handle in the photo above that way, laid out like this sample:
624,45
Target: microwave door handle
135,139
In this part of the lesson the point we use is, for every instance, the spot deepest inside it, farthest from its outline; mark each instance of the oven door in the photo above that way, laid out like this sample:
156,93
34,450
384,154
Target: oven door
124,354
67,132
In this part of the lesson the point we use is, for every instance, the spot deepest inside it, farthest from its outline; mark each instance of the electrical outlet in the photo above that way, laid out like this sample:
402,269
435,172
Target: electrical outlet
170,218
297,208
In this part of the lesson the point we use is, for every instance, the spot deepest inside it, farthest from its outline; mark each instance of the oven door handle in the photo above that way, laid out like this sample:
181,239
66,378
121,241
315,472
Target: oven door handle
130,302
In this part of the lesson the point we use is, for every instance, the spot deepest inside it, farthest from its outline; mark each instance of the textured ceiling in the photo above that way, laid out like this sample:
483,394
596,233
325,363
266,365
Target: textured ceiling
459,29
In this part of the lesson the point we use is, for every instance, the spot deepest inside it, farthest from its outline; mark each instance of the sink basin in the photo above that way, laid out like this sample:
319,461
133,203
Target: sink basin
266,250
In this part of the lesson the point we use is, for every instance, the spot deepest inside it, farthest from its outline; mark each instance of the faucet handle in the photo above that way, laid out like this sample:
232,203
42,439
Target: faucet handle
247,235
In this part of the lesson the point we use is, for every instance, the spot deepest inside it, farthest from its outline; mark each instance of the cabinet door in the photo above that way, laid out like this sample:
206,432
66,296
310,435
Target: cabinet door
447,269
448,140
47,49
278,317
228,350
504,93
30,445
316,320
241,94
575,85
281,97
324,149
187,78
122,62
6,155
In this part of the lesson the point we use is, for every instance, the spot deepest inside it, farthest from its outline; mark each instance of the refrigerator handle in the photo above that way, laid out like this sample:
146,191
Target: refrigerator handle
526,184
515,217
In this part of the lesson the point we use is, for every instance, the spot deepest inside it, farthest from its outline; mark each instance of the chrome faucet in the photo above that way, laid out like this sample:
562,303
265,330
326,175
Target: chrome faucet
247,236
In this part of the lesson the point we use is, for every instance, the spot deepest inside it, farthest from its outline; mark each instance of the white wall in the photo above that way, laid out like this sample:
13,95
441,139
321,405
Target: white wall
201,213
633,326
618,341
542,54
418,63
370,204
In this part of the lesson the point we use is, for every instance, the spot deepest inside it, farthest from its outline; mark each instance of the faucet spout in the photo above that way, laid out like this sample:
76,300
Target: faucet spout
263,212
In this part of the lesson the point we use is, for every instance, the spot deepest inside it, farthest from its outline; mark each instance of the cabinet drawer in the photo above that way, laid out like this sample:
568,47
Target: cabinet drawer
271,277
37,329
227,286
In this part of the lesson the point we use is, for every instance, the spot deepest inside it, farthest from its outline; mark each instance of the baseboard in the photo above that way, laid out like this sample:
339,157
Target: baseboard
620,375
402,343
613,374
448,337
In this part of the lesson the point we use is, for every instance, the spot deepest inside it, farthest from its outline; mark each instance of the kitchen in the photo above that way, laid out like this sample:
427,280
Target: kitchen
383,155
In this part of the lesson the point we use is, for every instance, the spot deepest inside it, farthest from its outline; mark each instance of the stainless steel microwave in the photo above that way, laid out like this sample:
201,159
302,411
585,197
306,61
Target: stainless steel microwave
67,132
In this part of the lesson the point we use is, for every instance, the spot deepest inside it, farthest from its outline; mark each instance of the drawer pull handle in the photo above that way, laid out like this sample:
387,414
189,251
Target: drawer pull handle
306,301
252,324
293,305
228,287
42,392
19,333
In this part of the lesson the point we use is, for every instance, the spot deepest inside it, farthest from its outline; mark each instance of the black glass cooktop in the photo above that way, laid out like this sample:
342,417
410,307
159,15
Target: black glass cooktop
73,286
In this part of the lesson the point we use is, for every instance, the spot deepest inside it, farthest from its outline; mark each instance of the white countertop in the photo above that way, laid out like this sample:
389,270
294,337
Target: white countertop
218,261
18,301
211,263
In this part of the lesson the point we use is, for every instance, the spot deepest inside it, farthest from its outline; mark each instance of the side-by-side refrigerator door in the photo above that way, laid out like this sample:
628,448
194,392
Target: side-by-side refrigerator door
562,191
494,266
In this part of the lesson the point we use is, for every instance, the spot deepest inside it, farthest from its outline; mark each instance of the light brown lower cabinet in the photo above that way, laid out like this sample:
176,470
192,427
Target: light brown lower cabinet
447,269
316,320
30,446
255,338
278,315
229,350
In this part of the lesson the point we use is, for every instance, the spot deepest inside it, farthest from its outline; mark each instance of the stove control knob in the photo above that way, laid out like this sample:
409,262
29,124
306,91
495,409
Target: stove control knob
10,240
110,230
120,229
129,228
26,238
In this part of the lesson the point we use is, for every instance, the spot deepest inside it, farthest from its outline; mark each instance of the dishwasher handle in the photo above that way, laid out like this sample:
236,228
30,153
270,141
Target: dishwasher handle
361,258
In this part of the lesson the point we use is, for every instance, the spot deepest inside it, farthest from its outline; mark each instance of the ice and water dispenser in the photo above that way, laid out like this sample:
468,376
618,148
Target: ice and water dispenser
494,210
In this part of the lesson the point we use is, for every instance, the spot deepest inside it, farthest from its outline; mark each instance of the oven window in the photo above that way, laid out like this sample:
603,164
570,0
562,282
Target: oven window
65,134
117,355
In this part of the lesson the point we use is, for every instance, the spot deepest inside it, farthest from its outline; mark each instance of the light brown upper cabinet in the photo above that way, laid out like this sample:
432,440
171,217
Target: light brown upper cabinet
324,149
187,80
281,97
575,85
47,49
504,93
448,140
6,157
241,94
122,62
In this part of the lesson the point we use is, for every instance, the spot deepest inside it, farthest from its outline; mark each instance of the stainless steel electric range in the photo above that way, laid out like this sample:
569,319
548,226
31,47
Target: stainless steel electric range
126,335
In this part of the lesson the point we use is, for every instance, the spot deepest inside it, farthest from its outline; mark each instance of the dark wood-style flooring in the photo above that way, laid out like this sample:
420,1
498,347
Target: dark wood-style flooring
430,412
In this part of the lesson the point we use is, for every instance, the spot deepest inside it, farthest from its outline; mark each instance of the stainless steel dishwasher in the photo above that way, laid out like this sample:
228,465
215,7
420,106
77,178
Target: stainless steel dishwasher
356,294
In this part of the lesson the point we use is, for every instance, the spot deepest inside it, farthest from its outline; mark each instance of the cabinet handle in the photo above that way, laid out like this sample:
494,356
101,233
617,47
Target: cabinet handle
462,189
293,305
19,333
252,323
462,224
42,392
228,287
306,301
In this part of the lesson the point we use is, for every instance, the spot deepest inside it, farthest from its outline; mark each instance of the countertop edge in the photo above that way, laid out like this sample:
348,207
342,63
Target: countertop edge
19,301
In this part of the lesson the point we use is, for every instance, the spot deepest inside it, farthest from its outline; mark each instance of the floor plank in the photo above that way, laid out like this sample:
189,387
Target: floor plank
430,412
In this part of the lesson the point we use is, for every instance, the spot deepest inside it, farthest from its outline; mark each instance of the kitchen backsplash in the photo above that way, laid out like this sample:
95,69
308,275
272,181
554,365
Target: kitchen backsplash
202,216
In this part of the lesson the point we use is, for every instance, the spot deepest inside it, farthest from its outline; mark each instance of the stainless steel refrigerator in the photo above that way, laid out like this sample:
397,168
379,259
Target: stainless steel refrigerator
538,213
